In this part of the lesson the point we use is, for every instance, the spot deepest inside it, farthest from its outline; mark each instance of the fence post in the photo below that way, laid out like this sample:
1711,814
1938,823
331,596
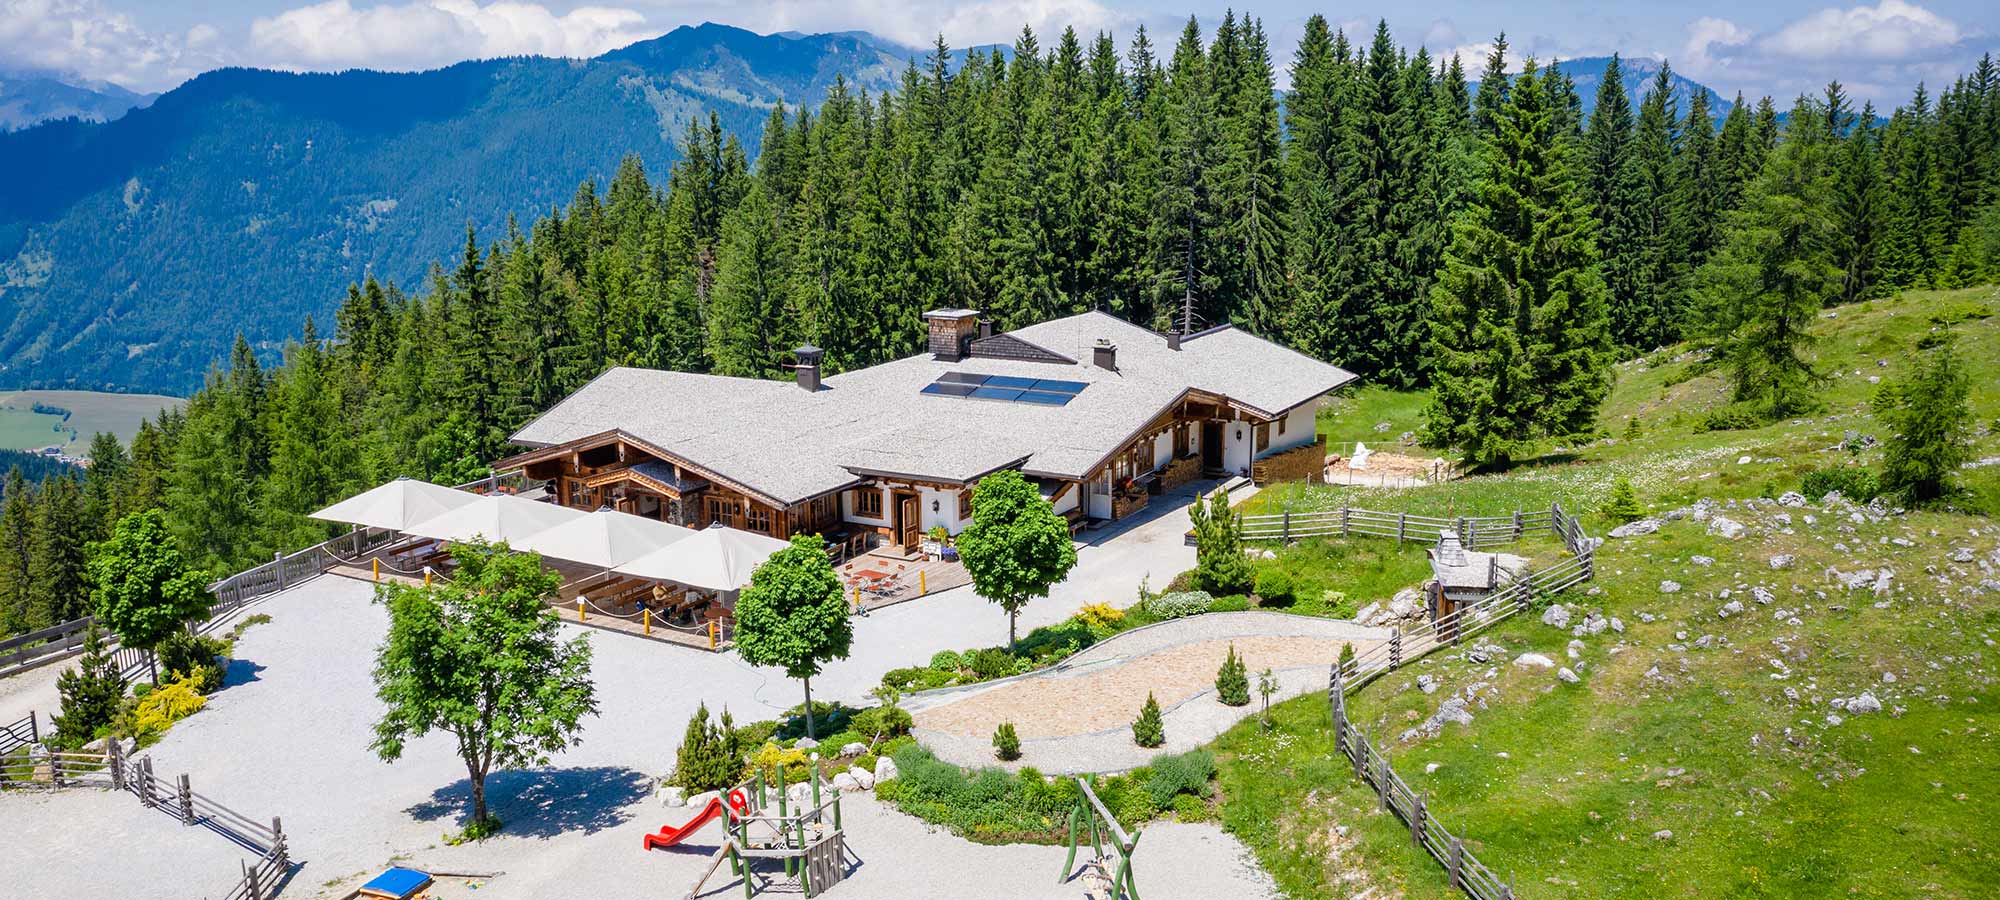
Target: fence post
1343,521
252,890
1395,647
34,731
278,559
55,768
1454,864
1361,755
114,760
1517,524
1381,775
187,801
1287,534
1417,819
1402,525
146,797
278,842
1464,532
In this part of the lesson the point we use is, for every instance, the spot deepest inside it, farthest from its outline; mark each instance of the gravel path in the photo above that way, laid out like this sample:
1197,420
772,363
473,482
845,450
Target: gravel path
1077,717
89,842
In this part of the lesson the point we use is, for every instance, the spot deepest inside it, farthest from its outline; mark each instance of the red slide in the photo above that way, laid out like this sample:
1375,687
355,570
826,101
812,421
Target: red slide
668,837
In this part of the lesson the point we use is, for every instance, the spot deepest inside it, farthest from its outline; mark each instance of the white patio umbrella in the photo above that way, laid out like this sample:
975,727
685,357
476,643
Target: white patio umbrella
604,538
397,504
715,559
496,518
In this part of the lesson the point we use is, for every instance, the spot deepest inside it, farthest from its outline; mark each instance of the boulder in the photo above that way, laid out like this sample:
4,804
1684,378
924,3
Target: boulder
1368,614
806,744
1702,561
701,799
1732,608
1866,703
672,796
885,769
853,748
845,783
1556,616
1407,603
862,777
1723,526
1634,529
1567,676
1427,683
1762,595
1782,561
1534,661
1792,498
1961,554
1670,587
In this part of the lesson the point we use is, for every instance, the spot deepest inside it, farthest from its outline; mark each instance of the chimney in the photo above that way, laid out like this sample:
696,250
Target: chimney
1104,355
808,366
985,329
950,331
1173,339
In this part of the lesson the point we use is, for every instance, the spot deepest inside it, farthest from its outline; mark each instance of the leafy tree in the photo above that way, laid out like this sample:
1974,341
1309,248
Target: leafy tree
793,615
1016,547
481,659
1232,681
1149,730
91,694
143,589
1931,427
1220,568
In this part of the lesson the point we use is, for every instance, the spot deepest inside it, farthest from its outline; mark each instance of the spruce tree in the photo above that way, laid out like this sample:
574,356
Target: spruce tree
1930,428
91,694
1641,253
18,612
1232,681
1253,190
59,591
1858,205
1186,236
1519,338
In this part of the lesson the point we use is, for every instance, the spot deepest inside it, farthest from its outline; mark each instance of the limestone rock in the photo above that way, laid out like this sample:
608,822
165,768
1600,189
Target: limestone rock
1534,661
854,748
845,783
1723,526
1427,683
1782,561
672,795
1670,587
1634,529
1792,499
1556,616
1567,676
806,744
885,769
1733,607
1866,703
862,777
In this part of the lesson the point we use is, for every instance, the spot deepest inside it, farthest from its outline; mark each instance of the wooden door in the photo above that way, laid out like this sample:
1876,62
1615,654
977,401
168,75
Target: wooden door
1211,445
907,521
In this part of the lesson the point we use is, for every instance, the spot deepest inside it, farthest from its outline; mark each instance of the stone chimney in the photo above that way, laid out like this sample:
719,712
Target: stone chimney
1173,339
950,331
985,328
808,366
1105,355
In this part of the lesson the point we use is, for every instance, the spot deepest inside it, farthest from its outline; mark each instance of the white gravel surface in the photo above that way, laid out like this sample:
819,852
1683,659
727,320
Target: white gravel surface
90,843
289,737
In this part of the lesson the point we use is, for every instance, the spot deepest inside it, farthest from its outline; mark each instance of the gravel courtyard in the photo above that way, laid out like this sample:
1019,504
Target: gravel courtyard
288,736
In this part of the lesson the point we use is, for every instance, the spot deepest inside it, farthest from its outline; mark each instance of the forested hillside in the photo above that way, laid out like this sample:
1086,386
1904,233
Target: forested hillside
246,199
1496,247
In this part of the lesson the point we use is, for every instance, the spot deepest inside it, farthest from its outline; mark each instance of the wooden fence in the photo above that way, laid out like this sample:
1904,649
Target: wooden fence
1461,866
1473,531
60,642
1465,870
261,878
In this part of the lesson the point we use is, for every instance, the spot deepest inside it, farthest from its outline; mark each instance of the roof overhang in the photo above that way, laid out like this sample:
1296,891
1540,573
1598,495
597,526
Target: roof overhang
557,451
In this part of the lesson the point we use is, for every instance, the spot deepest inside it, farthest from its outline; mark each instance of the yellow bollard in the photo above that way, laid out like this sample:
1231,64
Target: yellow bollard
427,576
711,635
857,598
579,611
649,620
375,565
923,585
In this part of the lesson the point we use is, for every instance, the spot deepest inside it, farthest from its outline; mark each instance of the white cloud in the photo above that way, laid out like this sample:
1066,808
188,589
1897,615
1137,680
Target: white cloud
336,33
83,37
1879,52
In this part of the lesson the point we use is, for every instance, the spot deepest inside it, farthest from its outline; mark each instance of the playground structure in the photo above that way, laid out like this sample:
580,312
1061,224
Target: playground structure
1090,812
807,839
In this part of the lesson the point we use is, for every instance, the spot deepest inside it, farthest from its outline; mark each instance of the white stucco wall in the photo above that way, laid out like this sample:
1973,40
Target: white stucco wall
946,513
847,510
1163,449
1239,441
1069,499
1299,429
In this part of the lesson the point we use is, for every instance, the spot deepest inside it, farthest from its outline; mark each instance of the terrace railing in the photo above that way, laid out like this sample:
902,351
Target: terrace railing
1346,521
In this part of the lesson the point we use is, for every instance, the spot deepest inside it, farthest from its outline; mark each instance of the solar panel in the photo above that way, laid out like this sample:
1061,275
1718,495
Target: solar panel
1009,381
964,377
1008,388
1061,387
989,393
950,390
1046,398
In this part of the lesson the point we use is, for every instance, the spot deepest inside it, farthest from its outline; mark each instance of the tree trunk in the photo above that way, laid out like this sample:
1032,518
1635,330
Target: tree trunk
1013,616
478,780
809,708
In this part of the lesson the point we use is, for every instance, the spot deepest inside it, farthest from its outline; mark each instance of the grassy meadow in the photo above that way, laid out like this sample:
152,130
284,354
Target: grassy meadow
21,428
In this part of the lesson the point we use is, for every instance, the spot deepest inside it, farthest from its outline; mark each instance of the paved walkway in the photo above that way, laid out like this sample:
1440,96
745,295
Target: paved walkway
1077,717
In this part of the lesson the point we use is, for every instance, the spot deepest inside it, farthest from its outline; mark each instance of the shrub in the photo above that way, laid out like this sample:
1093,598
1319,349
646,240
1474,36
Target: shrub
1275,585
1961,311
904,681
91,694
1734,417
1229,604
1232,681
756,733
1100,618
1178,774
1346,662
1632,429
1006,744
1148,730
947,661
989,803
896,745
770,757
1190,809
827,718
711,756
171,703
866,762
1178,604
1127,798
1218,534
182,653
1624,504
882,722
1853,482
992,662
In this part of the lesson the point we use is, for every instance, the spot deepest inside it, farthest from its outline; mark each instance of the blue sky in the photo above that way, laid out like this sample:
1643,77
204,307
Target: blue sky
1880,48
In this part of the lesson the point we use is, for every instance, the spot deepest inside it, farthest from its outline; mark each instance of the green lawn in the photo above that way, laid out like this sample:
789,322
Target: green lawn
1762,796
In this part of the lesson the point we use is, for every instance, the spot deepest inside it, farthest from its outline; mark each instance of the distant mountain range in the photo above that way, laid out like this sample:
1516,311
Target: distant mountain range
29,97
246,199
1639,72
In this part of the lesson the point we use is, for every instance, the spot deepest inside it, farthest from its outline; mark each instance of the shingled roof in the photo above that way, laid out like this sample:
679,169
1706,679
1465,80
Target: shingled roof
790,445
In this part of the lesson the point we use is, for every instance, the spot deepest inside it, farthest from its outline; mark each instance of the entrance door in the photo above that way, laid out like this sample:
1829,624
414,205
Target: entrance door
907,531
1211,446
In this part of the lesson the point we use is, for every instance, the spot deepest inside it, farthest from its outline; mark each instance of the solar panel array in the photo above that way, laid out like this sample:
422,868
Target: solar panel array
1007,388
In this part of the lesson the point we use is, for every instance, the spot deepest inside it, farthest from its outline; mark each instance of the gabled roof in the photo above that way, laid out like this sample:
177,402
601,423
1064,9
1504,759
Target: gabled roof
788,445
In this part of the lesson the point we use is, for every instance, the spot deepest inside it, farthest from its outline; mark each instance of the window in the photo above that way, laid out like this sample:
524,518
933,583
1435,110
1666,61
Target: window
1263,438
868,503
758,519
1281,427
965,505
581,497
722,509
